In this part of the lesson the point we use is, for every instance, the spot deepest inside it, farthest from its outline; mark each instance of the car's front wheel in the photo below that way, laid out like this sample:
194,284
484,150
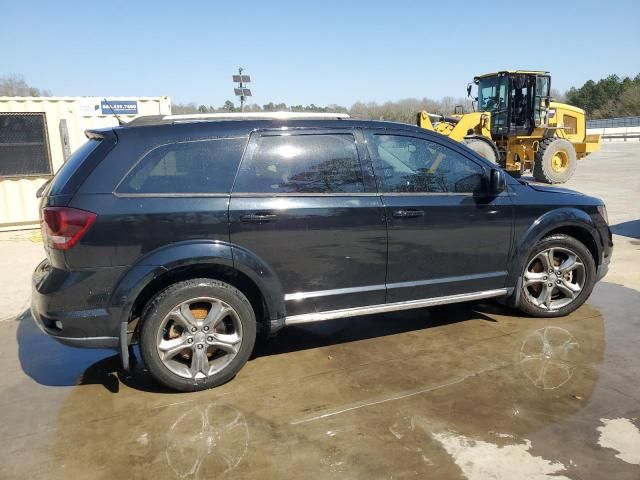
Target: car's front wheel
558,277
197,334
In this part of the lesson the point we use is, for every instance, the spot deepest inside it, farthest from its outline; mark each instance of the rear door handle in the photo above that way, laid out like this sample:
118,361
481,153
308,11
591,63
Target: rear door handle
259,217
408,213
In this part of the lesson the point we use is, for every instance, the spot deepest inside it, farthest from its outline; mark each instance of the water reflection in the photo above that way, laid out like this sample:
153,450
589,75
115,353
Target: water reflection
206,441
547,357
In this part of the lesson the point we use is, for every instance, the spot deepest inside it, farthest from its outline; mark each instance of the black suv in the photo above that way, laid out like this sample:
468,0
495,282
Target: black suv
191,235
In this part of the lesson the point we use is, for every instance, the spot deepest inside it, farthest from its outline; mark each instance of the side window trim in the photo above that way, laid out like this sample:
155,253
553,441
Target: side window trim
371,132
252,145
148,152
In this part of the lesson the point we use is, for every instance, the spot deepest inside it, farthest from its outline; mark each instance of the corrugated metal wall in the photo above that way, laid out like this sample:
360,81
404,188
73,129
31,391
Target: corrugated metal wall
18,203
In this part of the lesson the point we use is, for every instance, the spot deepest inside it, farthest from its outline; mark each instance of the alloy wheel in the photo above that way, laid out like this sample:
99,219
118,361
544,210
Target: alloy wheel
554,278
199,337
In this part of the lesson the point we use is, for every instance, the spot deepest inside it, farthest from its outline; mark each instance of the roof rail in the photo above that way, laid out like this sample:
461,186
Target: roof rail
250,115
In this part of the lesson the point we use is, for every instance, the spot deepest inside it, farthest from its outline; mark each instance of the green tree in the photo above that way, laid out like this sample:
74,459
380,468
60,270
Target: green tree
607,97
228,106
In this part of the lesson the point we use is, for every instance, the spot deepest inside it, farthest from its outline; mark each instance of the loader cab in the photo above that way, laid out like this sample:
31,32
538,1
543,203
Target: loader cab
517,100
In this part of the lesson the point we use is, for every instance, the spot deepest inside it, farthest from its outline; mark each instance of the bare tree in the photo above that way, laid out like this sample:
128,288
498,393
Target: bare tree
13,85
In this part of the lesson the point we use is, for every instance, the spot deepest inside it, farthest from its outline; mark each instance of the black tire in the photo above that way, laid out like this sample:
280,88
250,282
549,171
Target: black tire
156,311
543,167
564,242
482,148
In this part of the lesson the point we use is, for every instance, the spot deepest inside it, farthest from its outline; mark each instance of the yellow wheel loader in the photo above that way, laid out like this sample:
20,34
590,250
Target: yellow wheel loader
516,125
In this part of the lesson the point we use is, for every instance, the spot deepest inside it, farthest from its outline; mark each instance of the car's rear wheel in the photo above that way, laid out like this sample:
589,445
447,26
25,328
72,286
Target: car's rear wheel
558,277
197,334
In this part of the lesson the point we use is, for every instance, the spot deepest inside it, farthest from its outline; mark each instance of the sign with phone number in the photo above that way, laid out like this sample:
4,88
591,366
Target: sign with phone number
119,107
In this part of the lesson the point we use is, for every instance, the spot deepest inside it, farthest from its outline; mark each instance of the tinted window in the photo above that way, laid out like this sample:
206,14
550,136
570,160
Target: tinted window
408,164
23,145
72,165
302,164
206,166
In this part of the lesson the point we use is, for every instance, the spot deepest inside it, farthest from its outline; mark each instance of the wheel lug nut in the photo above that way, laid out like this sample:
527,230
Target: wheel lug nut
558,282
200,346
544,278
190,340
551,270
206,329
209,338
194,329
549,284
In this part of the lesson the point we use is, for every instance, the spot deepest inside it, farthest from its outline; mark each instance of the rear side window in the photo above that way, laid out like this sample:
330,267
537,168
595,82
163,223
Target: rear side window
72,165
309,163
203,166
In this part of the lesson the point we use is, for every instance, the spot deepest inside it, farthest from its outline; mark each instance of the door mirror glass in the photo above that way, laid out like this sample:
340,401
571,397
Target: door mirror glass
497,181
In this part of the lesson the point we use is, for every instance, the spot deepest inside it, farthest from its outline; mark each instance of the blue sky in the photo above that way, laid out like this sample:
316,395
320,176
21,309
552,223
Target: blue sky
303,52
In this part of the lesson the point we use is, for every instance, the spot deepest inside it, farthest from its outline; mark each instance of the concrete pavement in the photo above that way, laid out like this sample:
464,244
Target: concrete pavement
468,391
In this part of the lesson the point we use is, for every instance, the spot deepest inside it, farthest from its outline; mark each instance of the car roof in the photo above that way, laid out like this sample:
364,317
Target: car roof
511,72
243,126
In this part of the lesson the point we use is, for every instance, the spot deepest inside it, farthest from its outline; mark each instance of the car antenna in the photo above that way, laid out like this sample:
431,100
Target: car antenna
120,122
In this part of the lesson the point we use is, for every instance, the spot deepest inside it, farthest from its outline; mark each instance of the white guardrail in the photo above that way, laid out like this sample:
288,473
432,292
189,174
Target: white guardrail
617,134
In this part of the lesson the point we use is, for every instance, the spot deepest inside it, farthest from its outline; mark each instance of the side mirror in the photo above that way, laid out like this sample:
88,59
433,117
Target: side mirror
469,90
497,181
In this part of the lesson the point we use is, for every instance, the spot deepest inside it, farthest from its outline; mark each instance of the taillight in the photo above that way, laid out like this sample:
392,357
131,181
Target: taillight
62,227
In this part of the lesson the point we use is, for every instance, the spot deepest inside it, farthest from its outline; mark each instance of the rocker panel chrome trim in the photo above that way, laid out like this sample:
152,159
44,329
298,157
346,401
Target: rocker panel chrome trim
393,307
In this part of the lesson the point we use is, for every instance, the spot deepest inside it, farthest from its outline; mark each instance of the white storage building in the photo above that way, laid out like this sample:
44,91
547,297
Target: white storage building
38,134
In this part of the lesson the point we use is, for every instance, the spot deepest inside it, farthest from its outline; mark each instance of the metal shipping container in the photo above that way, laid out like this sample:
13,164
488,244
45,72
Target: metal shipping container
37,135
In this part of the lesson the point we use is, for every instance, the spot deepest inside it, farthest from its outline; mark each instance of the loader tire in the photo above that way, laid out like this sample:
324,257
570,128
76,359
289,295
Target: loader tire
555,161
482,148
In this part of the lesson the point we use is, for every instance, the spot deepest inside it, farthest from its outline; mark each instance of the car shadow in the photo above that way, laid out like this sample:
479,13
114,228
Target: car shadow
627,229
336,332
53,364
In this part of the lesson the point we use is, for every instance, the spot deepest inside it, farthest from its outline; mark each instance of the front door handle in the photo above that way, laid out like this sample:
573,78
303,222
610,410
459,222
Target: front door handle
408,213
258,217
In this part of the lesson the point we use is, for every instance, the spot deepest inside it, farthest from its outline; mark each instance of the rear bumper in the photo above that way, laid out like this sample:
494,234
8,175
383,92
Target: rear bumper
68,306
111,343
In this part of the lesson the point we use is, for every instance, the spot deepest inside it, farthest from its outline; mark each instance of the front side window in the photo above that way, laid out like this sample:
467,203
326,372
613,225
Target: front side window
307,163
200,167
542,99
24,150
414,165
492,93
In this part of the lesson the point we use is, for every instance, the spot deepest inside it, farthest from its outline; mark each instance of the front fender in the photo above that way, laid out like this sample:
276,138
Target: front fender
196,252
546,223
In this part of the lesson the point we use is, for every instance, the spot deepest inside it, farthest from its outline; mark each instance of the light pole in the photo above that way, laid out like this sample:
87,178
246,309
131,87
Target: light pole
241,91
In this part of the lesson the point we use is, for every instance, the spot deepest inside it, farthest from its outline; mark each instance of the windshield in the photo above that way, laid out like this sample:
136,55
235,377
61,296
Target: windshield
492,93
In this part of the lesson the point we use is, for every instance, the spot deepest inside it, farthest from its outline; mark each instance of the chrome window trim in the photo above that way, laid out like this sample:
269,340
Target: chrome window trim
393,307
429,194
303,194
170,195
